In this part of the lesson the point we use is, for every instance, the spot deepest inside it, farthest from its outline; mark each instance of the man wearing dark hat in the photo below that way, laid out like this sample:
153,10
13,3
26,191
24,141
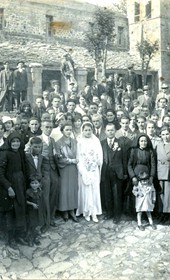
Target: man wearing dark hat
146,99
131,78
20,84
6,81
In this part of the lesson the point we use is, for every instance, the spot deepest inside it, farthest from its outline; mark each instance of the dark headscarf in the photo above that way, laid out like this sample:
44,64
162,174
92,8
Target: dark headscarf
135,143
11,136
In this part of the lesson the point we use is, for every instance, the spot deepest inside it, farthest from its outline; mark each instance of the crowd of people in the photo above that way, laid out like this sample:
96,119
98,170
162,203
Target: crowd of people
104,149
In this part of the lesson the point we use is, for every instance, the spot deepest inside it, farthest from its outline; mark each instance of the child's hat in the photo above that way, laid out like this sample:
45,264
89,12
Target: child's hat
143,176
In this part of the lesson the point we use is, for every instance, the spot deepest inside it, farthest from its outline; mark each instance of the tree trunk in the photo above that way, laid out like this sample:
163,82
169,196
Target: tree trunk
104,60
96,73
143,74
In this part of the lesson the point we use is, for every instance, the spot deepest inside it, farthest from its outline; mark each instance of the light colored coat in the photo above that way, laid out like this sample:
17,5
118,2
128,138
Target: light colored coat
163,160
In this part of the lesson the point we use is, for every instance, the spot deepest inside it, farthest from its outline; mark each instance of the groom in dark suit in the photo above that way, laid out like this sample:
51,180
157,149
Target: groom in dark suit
112,175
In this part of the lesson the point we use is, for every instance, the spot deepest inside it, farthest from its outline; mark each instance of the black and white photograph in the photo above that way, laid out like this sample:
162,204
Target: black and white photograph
85,139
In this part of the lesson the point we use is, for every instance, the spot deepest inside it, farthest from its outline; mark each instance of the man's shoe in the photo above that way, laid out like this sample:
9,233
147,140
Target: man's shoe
107,217
21,241
37,242
44,229
30,243
12,244
53,224
116,220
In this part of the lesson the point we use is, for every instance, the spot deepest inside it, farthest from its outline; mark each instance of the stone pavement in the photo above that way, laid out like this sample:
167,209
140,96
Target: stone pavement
87,250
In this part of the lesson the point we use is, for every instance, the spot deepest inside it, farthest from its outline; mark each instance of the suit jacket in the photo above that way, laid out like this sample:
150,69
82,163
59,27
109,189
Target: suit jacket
112,160
125,143
37,112
20,80
31,168
102,134
51,160
132,79
48,104
143,102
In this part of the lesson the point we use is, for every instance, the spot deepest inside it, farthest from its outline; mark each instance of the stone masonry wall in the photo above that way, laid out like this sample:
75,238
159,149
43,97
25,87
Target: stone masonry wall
27,19
155,28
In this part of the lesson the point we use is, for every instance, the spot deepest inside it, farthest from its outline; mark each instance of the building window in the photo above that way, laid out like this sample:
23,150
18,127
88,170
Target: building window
121,36
49,29
1,19
137,11
148,9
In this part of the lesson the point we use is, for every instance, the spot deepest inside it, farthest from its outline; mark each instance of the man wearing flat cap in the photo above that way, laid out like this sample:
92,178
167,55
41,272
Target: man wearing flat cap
131,78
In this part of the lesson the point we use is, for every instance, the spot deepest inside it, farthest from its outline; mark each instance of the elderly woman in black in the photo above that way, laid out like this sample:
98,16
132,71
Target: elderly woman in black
12,187
141,159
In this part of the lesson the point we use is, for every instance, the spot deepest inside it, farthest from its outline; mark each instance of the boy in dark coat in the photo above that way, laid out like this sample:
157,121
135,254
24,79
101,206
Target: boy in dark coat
34,210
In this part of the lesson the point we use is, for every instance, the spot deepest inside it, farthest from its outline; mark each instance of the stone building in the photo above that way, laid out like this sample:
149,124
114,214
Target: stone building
40,32
150,19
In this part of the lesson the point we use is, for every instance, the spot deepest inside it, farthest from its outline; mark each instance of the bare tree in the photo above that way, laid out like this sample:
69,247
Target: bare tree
100,37
120,7
147,49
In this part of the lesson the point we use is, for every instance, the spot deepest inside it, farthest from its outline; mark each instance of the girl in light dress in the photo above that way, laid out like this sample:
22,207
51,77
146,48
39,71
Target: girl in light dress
145,197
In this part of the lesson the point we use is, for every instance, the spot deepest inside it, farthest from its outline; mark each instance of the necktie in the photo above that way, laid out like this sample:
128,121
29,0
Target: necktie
97,132
124,134
35,158
110,143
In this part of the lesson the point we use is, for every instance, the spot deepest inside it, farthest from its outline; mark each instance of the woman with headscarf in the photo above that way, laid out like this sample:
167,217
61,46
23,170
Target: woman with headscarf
141,159
90,160
13,186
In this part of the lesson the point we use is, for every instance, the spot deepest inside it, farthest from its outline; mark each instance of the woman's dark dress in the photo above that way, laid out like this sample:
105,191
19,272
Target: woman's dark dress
12,175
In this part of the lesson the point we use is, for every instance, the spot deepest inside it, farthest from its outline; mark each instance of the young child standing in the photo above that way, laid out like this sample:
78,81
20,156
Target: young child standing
35,164
34,210
145,199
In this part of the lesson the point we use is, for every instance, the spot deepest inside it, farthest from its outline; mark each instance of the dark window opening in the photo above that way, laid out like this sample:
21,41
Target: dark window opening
49,30
137,11
148,10
121,36
1,19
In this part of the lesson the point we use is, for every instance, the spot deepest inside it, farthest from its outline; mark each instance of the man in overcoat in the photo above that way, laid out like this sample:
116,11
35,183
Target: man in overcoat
6,82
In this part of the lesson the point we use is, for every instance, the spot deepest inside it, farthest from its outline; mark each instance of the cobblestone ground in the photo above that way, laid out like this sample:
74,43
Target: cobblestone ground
87,250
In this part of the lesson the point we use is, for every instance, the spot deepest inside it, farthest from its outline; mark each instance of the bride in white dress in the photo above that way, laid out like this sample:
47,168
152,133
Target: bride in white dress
90,160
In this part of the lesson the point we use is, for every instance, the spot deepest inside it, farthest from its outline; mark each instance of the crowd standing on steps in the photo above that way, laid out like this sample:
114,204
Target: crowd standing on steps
104,149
